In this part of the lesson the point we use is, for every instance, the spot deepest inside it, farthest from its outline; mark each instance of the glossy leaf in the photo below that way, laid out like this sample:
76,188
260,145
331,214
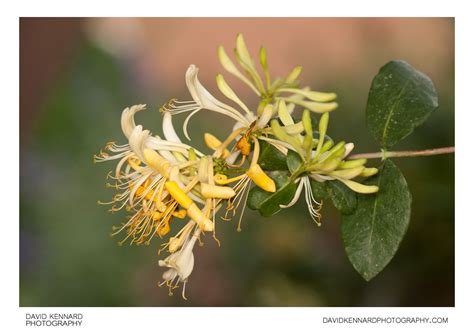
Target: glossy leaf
293,161
400,99
373,233
268,203
270,158
343,198
319,189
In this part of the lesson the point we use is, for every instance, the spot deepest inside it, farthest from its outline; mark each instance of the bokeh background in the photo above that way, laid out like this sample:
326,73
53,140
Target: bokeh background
77,75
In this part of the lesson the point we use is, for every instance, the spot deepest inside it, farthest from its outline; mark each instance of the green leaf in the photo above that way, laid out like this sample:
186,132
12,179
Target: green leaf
400,99
293,161
268,203
270,158
372,234
343,198
319,189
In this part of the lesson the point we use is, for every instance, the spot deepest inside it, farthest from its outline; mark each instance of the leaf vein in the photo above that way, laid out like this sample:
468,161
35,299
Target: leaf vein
372,222
392,109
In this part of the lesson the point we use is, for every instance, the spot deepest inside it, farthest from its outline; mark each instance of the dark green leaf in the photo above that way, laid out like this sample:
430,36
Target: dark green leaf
372,234
293,161
343,198
268,203
270,158
319,190
400,99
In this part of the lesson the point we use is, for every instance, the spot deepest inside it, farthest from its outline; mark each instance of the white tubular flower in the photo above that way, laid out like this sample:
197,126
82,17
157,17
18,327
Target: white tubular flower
144,165
180,264
314,207
202,99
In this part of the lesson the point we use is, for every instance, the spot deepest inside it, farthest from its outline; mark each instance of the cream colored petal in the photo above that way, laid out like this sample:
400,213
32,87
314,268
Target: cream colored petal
204,98
137,140
127,120
267,114
295,197
348,149
168,129
283,114
229,93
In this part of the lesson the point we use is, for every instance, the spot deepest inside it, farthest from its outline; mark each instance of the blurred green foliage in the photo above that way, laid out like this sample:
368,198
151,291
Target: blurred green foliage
68,259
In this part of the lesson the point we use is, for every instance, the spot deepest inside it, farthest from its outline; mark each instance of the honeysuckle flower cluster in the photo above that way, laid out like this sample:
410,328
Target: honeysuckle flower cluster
161,182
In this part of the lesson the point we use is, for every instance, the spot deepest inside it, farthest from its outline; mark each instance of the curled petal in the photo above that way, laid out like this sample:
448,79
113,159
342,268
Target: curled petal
204,98
127,120
296,196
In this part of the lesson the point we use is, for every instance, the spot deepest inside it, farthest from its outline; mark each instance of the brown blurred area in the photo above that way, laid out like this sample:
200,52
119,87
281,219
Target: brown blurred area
164,48
46,48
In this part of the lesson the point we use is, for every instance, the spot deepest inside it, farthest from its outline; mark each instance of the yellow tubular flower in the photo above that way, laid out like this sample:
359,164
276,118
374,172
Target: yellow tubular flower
209,191
187,203
154,160
256,174
178,240
214,143
260,178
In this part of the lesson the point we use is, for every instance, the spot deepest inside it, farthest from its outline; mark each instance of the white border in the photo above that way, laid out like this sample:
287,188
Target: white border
231,319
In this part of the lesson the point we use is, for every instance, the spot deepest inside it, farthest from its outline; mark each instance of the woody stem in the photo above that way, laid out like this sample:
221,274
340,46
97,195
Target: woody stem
407,153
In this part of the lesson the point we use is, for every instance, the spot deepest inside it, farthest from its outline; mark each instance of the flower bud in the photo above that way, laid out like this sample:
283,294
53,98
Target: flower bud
352,163
294,74
209,191
260,178
367,172
347,173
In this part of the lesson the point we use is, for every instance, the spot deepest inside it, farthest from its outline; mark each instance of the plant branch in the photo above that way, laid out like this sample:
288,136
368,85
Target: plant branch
408,153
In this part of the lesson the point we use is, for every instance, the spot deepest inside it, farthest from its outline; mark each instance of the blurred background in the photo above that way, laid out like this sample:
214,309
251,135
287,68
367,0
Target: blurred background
77,75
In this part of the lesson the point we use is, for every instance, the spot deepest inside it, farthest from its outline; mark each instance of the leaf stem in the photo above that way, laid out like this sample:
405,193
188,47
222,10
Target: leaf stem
406,153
